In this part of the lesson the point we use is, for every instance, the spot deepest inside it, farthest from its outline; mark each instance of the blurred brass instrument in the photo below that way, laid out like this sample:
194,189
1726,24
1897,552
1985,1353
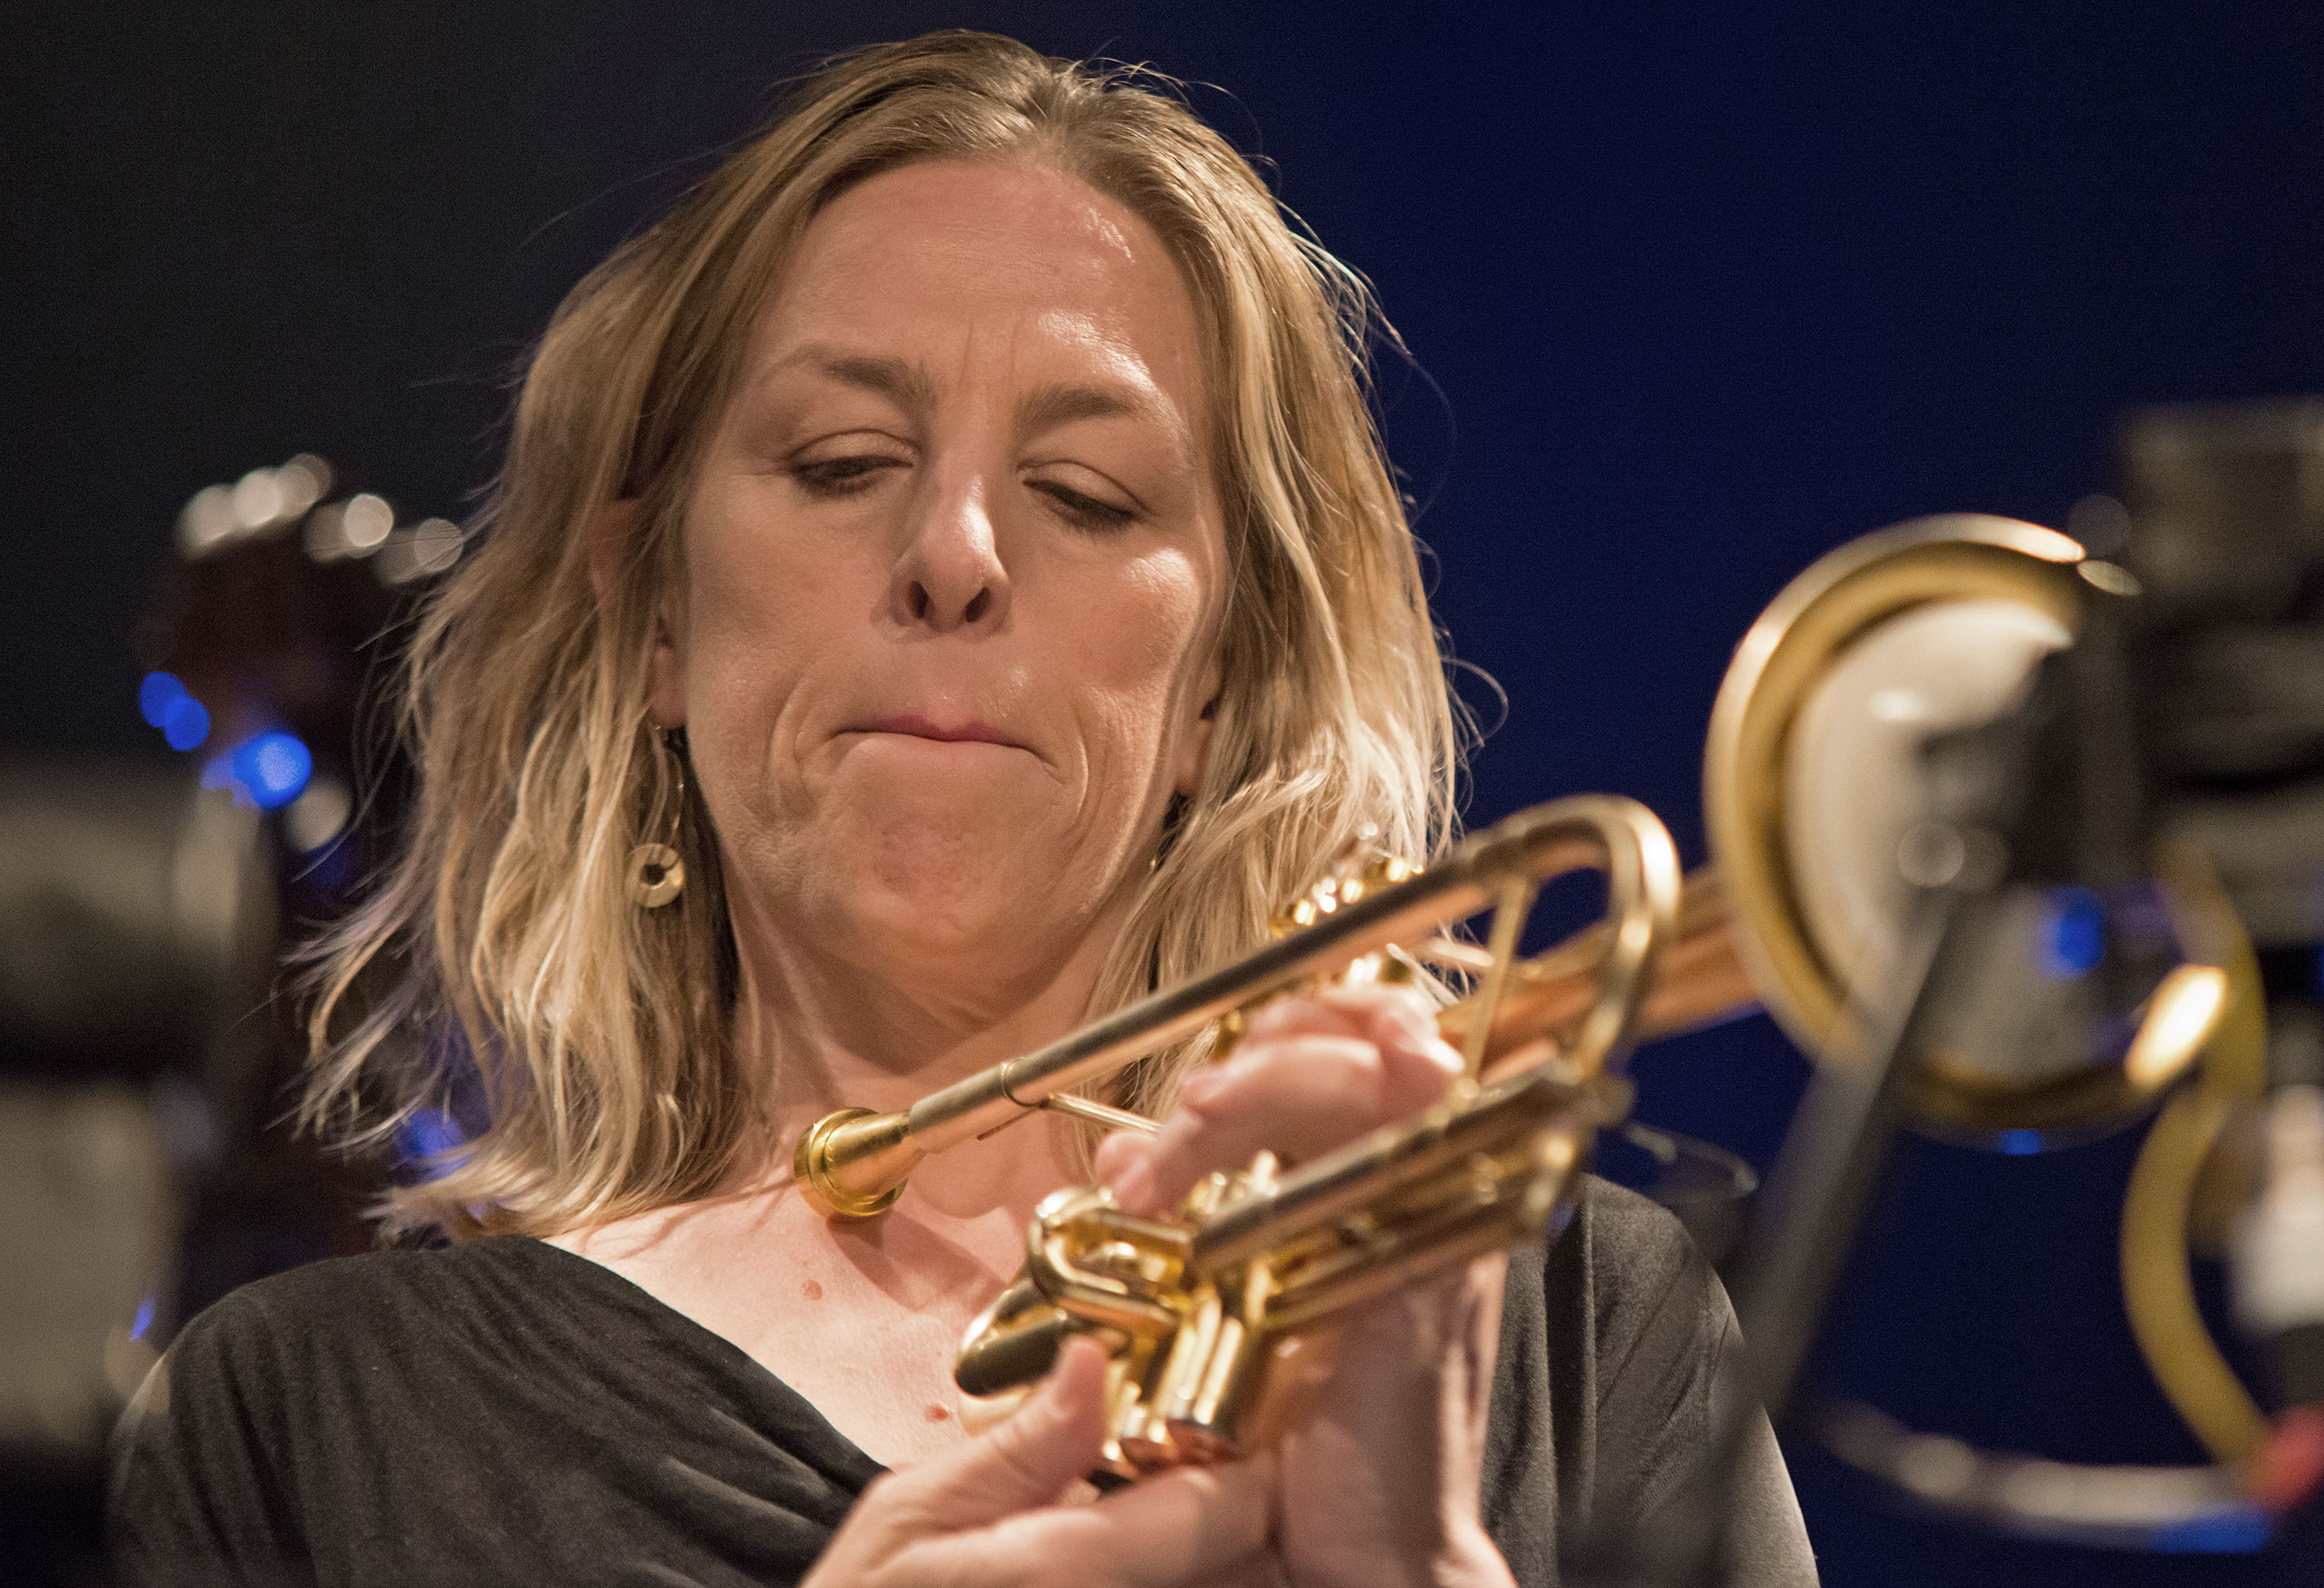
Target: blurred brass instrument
1810,781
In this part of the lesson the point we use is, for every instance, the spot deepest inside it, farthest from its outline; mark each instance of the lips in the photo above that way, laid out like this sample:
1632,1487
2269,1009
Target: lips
912,725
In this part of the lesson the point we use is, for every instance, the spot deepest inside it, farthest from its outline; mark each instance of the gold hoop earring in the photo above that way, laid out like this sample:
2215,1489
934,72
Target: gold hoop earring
658,871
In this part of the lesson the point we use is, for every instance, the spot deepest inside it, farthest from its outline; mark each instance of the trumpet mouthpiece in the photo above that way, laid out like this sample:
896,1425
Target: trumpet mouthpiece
852,1163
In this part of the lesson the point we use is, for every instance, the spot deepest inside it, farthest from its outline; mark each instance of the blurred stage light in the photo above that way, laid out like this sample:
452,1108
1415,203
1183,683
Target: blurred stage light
267,770
206,519
425,1140
185,723
365,521
430,547
257,499
2072,940
276,766
2181,1016
302,481
280,767
156,694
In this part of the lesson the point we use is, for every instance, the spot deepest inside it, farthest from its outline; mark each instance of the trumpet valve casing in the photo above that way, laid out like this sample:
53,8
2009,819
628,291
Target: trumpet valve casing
1190,1308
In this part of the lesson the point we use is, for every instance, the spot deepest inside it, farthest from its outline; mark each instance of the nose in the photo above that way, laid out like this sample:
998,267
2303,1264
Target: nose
950,577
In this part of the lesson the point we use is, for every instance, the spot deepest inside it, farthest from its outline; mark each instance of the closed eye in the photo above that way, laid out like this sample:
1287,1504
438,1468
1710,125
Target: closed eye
1086,512
842,476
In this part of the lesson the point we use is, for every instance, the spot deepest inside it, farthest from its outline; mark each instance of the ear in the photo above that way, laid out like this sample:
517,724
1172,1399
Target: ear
665,680
609,547
1194,745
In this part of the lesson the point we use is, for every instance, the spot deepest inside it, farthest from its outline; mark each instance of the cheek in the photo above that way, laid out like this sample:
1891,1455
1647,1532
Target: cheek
760,606
1140,642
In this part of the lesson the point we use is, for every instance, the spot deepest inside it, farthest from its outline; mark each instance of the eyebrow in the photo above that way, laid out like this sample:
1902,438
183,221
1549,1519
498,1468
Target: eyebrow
1053,406
891,378
908,387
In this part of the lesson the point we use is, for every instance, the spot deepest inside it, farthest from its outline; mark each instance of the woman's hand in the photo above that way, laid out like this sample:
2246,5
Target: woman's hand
992,1511
1379,1458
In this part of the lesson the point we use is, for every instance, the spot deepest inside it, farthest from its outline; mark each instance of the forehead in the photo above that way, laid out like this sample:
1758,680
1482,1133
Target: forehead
975,269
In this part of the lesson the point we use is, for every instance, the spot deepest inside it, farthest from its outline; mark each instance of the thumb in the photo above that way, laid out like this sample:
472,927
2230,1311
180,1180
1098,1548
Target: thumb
1054,1439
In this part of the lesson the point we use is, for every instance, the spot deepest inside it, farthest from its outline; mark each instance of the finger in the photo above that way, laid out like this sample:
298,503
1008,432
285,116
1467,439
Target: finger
1408,1374
1398,1079
1396,1019
1380,1010
1116,1152
1292,1096
1412,1372
1051,1442
1191,1525
1413,1062
1298,1095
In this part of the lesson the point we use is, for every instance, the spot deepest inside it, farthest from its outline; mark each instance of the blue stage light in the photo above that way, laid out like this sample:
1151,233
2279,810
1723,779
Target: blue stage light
2072,939
156,694
185,723
2018,1144
267,770
2232,1529
144,1319
425,1138
272,767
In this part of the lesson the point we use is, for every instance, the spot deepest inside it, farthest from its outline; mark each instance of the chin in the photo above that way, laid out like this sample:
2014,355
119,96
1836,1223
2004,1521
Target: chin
964,875
944,890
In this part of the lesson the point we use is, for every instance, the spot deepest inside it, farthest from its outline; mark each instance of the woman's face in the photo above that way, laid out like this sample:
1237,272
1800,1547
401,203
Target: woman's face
954,571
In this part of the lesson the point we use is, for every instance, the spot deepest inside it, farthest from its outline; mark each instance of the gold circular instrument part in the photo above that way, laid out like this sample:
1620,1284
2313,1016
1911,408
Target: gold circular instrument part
1788,653
811,1166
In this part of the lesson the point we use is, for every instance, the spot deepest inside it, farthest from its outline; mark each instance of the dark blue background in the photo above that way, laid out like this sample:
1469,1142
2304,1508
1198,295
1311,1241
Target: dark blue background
1706,291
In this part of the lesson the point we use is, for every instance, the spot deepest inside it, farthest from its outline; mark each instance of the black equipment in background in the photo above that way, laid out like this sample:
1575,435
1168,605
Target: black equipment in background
137,928
147,1048
2189,714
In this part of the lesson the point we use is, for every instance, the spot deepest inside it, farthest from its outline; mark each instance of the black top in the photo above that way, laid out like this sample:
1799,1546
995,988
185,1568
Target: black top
504,1411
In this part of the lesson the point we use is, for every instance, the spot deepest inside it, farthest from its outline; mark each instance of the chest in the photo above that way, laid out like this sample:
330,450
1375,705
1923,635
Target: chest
874,1358
863,1321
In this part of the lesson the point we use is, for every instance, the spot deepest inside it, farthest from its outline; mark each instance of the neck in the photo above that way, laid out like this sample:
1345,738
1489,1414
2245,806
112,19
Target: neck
880,1033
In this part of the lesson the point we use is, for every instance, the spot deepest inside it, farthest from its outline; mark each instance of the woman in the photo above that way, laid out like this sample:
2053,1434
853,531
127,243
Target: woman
945,584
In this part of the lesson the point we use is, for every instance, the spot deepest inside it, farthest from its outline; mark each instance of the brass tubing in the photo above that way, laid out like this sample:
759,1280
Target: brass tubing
2158,1288
1342,1181
2159,1291
1453,1239
852,1163
1699,980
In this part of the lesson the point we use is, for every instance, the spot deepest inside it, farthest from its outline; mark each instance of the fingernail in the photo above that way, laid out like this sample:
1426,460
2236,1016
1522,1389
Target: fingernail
1056,1385
1417,1024
1277,1011
1202,1085
1133,1188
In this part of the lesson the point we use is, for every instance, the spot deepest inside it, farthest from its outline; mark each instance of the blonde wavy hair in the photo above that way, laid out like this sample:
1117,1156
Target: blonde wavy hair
500,953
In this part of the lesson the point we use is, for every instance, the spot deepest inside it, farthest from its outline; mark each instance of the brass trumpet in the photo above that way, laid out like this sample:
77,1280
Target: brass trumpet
1790,914
1189,1308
